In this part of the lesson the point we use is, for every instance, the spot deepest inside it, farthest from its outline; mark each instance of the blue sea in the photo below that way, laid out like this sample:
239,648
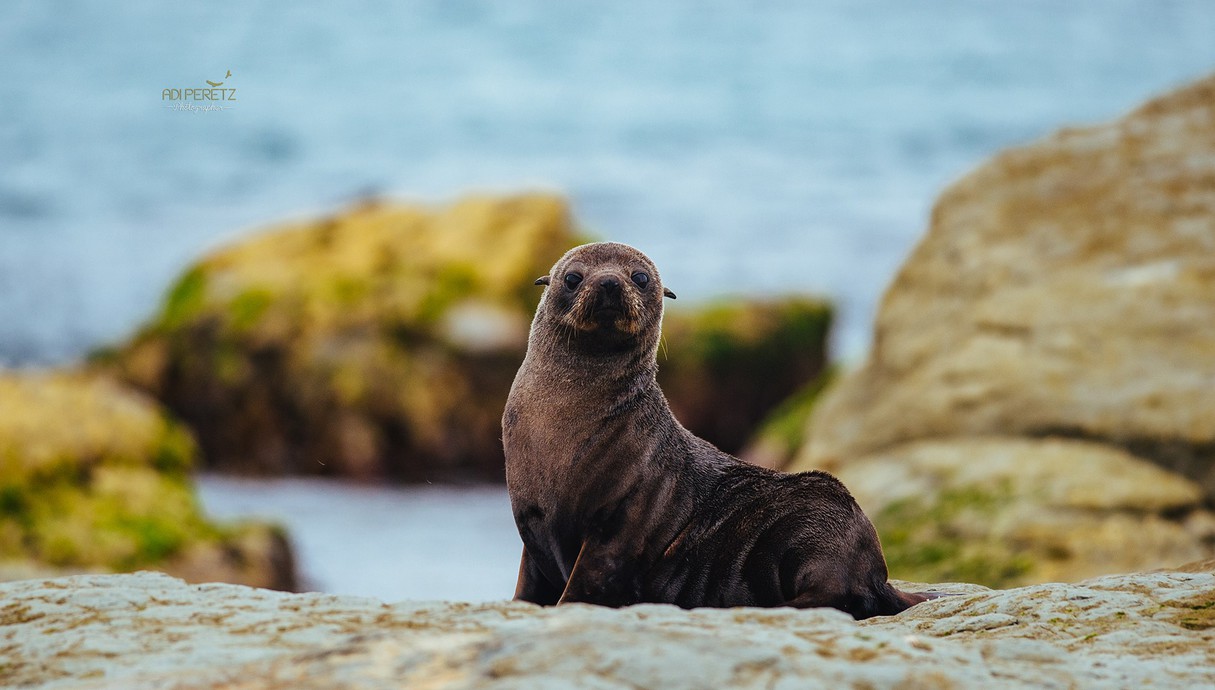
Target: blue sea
749,148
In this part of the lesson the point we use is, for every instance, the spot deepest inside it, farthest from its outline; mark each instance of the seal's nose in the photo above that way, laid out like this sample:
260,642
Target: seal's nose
609,284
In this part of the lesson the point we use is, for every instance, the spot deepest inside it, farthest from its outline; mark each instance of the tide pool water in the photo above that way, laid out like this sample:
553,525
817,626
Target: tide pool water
748,149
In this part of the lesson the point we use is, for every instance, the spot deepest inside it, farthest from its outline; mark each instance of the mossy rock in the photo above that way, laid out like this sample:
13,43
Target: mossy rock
95,476
946,533
380,341
1006,511
783,431
726,365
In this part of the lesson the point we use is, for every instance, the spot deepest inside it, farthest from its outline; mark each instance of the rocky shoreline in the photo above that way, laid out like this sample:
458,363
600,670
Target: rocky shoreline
151,631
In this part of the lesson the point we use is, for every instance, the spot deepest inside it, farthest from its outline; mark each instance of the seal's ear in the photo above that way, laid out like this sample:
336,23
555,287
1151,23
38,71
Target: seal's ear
668,293
542,280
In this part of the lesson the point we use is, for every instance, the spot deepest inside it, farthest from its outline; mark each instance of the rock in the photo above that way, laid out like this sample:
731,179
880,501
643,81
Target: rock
1012,511
151,631
382,342
378,342
781,434
1064,288
94,476
725,365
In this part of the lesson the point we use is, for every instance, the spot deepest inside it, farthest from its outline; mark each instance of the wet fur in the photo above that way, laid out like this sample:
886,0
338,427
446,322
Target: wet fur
618,504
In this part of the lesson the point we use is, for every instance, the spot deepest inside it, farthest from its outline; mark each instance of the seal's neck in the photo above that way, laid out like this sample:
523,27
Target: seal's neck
580,363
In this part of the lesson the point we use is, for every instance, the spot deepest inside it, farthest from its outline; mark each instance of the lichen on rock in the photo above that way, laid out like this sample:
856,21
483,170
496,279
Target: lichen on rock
94,476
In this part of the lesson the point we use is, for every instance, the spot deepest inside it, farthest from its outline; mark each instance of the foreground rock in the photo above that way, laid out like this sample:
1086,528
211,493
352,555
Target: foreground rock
94,476
381,342
151,631
1064,288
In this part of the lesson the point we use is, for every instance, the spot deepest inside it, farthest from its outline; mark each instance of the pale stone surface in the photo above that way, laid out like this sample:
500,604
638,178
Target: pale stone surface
1065,287
152,631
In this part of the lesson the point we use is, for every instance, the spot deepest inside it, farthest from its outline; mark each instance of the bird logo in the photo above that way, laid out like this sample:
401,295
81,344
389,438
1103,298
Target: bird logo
219,83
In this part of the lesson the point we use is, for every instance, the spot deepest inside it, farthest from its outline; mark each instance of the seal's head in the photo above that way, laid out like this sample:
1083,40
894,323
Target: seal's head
607,294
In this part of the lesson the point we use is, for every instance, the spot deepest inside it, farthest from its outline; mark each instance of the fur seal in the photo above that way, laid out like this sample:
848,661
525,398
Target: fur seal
619,504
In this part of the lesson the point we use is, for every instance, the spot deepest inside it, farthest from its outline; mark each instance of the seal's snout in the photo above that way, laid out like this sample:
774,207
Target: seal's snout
609,293
610,285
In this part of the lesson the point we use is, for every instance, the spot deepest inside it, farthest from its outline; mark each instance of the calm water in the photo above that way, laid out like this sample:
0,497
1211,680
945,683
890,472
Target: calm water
391,543
794,146
789,147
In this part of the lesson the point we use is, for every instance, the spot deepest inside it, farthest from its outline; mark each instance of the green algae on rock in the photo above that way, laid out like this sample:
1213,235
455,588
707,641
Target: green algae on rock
377,342
94,476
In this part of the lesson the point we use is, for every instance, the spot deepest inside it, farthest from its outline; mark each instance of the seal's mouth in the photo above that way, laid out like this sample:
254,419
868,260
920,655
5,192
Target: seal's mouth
610,315
608,307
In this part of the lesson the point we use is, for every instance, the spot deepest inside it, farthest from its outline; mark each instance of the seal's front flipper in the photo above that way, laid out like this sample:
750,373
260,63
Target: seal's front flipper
596,578
533,586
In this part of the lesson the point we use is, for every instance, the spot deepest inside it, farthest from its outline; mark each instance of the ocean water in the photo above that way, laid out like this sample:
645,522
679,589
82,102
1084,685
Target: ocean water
748,147
753,148
391,543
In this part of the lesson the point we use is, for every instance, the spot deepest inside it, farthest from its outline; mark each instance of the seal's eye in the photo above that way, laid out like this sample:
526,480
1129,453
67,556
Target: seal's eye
641,279
572,280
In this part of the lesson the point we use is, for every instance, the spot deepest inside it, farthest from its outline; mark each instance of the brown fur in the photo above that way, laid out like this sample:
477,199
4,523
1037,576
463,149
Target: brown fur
618,504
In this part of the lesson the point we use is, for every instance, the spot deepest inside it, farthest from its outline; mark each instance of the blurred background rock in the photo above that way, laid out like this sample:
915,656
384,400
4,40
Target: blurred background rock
1039,401
381,343
94,478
